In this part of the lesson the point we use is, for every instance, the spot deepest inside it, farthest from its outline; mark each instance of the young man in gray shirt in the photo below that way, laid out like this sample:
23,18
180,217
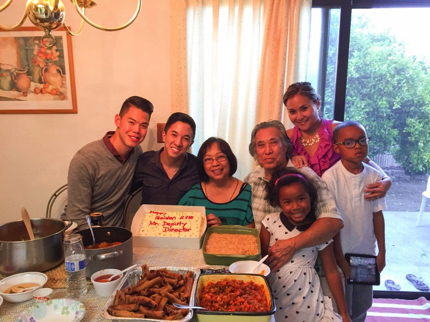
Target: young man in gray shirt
100,174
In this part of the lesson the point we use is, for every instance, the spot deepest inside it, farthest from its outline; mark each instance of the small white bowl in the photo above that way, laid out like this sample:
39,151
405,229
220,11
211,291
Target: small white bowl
42,294
247,267
29,277
105,288
1,300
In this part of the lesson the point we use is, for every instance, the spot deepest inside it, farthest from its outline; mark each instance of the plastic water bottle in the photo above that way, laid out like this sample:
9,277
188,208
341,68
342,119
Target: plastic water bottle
75,258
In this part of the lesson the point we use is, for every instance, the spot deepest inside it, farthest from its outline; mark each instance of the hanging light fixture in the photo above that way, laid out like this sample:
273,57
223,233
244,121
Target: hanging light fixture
49,15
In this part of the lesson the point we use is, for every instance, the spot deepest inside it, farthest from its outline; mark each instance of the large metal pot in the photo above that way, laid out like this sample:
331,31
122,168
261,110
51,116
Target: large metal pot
19,254
119,256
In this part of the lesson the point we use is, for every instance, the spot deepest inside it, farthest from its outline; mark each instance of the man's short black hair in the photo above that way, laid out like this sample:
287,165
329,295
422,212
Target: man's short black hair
138,102
181,117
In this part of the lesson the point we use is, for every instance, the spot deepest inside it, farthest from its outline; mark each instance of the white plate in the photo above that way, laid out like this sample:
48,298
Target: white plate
58,310
1,300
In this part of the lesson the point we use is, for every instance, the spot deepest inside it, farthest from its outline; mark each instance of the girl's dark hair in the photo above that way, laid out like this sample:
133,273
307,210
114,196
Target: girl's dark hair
274,185
301,88
224,147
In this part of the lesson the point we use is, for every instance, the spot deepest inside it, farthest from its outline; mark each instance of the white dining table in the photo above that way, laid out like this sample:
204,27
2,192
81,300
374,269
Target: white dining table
94,304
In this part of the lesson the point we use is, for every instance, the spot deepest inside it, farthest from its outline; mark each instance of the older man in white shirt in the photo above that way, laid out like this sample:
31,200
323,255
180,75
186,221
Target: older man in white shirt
271,148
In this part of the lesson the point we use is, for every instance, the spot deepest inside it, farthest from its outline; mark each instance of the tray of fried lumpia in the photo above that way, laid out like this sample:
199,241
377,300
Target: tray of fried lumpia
148,293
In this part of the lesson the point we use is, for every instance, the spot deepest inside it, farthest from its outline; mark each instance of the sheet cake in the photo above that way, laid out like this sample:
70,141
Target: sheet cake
171,224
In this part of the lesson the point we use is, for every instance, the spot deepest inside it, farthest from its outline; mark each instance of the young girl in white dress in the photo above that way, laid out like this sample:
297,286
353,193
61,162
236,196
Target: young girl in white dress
296,286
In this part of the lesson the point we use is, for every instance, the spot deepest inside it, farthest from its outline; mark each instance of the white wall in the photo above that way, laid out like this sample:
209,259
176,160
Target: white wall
109,67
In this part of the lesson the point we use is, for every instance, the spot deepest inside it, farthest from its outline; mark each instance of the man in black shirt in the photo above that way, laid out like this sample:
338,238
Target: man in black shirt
166,175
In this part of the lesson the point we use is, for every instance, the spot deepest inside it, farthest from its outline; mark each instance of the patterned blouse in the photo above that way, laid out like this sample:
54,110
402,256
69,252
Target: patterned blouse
324,156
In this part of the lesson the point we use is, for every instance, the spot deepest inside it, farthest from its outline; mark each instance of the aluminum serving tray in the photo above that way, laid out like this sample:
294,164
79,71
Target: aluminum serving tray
133,276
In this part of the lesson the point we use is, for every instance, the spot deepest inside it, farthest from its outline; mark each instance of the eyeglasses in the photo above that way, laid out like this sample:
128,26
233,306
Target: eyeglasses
350,144
220,158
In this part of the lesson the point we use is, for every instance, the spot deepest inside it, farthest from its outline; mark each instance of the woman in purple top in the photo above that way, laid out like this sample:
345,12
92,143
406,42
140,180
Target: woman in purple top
324,156
312,136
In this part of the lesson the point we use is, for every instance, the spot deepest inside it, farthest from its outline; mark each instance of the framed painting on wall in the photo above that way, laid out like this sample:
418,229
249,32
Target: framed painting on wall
35,79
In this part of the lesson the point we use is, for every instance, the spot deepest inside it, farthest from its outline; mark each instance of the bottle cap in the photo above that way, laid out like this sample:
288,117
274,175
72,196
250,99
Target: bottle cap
72,238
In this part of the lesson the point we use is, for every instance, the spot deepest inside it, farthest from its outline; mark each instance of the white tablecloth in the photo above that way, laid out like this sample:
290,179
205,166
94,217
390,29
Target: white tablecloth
94,304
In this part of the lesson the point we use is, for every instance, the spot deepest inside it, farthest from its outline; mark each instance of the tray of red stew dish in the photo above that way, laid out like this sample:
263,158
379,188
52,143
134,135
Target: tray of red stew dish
234,297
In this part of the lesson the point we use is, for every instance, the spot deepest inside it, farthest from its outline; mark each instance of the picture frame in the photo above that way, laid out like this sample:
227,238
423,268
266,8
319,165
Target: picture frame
160,129
35,79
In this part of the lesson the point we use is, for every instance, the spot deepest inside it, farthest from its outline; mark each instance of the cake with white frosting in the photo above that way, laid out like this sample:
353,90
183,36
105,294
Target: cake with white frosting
171,224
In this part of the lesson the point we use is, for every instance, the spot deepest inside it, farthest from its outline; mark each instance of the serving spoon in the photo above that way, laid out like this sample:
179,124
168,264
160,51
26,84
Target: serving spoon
124,270
182,306
22,290
255,270
27,222
91,228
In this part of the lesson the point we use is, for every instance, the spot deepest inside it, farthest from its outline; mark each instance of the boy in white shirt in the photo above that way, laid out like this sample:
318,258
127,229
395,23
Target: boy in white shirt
363,220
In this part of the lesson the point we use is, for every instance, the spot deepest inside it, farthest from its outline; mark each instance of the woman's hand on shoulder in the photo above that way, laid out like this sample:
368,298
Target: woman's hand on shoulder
379,189
213,220
375,190
299,161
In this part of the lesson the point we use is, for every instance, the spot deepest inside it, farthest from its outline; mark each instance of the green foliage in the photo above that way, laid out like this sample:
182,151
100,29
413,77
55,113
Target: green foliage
388,92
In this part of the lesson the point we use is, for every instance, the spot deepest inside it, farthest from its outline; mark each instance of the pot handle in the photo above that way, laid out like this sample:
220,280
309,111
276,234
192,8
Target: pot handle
100,257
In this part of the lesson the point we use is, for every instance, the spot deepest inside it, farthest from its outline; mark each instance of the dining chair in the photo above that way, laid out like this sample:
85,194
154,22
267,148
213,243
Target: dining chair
426,195
59,198
132,204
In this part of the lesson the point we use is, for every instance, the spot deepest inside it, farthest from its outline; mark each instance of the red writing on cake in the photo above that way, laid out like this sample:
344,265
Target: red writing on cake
164,217
156,212
187,217
171,226
160,215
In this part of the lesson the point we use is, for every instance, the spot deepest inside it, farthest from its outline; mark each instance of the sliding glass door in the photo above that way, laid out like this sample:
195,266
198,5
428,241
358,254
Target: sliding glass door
372,64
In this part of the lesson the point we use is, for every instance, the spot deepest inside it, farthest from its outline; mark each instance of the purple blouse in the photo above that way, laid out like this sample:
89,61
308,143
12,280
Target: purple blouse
324,156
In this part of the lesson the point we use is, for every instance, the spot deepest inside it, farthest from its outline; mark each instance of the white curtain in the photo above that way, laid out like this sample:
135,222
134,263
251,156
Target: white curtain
231,60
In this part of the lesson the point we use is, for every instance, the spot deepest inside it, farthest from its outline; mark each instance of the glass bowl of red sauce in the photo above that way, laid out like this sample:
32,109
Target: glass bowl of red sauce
101,283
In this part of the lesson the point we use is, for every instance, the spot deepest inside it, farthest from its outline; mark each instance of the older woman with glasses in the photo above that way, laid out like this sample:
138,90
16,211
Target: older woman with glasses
227,199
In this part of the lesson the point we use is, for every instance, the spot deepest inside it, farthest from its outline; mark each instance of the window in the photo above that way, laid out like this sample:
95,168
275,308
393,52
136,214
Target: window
371,64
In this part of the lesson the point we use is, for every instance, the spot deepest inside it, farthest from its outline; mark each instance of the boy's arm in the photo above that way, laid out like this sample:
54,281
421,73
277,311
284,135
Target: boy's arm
379,227
333,279
340,258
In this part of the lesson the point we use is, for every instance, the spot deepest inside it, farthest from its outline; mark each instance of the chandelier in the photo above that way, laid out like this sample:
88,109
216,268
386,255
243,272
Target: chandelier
49,15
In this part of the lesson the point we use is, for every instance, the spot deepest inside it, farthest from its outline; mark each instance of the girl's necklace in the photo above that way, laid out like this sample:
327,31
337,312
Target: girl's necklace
307,142
231,197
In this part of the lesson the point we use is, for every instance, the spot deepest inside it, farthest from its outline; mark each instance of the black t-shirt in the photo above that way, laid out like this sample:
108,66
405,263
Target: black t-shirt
158,189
